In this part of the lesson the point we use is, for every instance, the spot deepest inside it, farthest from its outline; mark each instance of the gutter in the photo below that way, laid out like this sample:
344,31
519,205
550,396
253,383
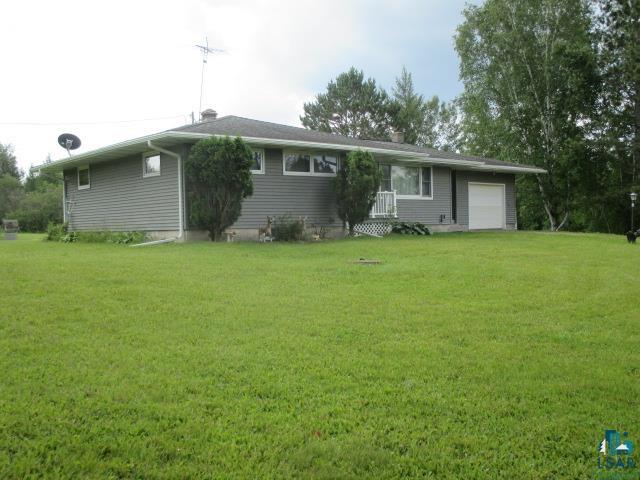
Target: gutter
178,157
74,159
409,156
507,169
416,156
399,154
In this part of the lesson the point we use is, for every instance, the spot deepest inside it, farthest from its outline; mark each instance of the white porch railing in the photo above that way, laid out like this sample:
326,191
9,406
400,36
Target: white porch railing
385,206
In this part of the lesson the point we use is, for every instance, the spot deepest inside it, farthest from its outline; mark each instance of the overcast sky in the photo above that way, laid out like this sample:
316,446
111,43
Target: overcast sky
82,66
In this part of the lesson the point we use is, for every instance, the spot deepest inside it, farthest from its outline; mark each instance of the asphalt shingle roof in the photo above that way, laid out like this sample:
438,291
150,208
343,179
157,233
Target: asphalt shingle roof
238,126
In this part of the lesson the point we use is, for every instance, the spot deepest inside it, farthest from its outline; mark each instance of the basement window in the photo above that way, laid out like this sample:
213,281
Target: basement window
84,178
258,160
150,165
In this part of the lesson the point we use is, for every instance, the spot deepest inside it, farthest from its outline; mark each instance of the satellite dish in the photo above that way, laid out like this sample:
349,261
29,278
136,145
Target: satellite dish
69,142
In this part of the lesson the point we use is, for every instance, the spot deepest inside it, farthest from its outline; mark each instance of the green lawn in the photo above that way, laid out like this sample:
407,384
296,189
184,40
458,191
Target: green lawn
486,355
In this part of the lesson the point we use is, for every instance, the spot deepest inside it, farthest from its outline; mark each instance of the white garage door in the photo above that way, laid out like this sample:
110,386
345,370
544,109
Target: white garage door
486,206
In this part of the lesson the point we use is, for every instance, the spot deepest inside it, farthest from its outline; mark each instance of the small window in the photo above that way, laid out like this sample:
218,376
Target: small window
151,165
297,163
84,178
325,164
426,181
385,186
258,161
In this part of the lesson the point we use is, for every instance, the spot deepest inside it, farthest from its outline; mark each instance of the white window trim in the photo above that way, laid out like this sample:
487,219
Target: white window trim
414,197
83,187
311,172
264,160
427,197
144,157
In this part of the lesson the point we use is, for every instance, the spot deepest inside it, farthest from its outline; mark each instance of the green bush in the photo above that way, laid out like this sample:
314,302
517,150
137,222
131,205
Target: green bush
60,233
410,228
35,210
356,186
10,194
70,237
55,231
288,229
218,177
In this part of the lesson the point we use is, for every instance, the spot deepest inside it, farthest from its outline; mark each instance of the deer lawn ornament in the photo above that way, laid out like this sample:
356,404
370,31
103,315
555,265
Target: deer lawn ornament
264,233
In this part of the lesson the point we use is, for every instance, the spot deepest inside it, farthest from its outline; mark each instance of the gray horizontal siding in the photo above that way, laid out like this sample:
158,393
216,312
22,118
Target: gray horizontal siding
429,211
278,194
462,197
121,199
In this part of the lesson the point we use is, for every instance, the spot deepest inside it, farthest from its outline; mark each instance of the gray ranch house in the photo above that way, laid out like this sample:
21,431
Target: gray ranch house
139,184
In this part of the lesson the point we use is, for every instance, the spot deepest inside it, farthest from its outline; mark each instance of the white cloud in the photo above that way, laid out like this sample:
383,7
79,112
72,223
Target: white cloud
78,61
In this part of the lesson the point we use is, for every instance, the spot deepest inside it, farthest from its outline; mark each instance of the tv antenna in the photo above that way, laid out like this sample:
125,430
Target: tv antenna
206,50
69,142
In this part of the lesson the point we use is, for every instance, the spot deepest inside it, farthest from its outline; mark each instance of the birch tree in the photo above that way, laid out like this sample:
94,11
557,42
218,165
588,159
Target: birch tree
616,125
529,74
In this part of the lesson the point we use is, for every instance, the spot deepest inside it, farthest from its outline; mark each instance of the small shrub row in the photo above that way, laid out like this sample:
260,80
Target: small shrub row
410,228
58,232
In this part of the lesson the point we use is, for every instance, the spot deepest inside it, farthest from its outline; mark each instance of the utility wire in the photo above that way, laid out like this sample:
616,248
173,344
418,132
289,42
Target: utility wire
102,122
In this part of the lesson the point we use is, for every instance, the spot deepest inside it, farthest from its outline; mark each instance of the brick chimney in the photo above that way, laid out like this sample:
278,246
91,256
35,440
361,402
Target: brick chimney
208,115
397,137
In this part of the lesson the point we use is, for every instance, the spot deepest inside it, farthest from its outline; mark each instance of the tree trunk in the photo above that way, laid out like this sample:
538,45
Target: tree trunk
635,142
547,205
214,234
564,220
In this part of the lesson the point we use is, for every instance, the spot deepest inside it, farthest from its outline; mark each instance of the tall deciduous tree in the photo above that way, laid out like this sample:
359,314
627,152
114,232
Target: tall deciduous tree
11,192
449,131
356,185
37,208
351,106
616,125
8,162
529,74
219,177
619,29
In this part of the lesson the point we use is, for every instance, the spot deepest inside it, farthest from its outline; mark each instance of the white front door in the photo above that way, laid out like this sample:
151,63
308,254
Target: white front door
486,206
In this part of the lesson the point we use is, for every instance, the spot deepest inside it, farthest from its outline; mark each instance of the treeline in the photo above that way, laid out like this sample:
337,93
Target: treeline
34,201
550,83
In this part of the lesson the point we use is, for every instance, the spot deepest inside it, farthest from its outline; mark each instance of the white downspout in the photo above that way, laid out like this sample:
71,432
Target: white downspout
64,199
178,157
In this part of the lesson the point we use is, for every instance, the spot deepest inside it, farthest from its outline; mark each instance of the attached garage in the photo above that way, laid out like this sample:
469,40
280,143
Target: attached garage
486,206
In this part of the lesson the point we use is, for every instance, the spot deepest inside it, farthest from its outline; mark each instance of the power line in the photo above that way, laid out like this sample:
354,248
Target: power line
101,122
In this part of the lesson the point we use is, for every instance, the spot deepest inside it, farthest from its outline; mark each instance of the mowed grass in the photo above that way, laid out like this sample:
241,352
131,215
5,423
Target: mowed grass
490,355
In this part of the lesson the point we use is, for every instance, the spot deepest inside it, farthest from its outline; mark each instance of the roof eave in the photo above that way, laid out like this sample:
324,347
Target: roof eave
141,142
60,164
509,169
